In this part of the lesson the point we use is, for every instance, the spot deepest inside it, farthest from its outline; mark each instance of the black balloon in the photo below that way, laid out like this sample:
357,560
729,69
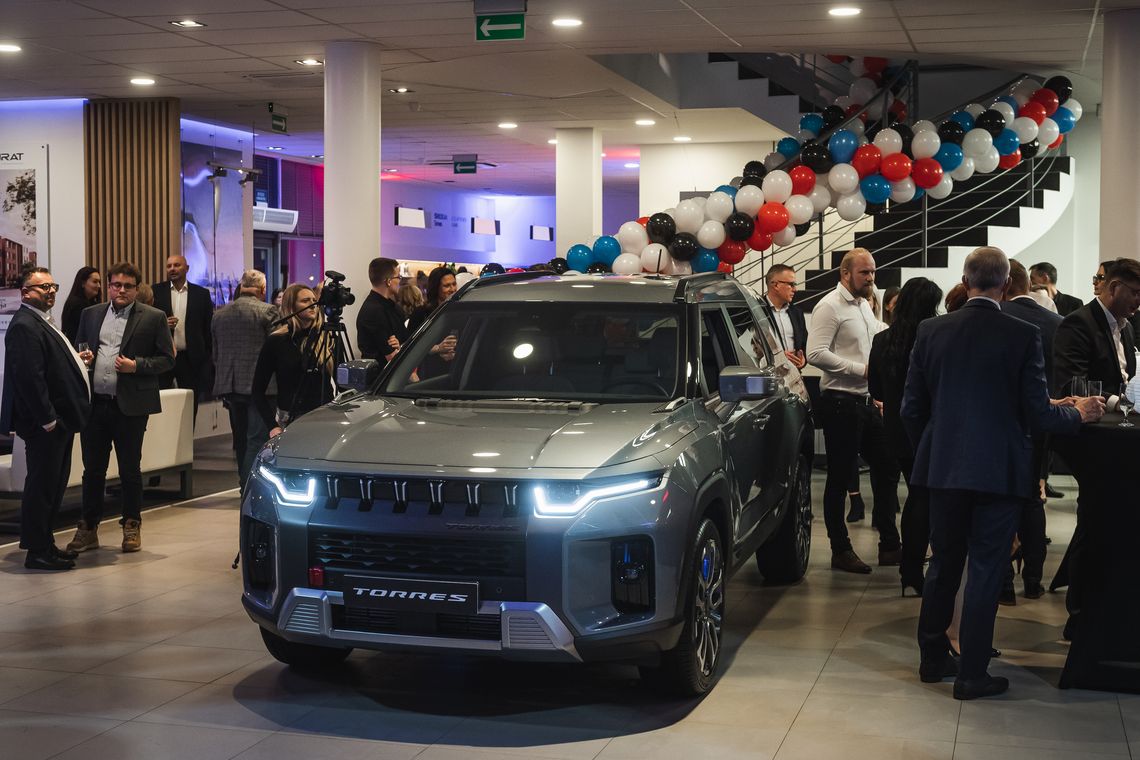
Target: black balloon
755,181
739,226
992,121
1060,85
817,157
754,169
661,228
492,268
876,208
684,246
833,116
951,132
907,135
1030,149
559,265
890,118
802,229
597,268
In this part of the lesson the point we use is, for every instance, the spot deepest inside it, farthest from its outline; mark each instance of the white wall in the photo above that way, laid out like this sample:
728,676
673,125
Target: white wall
668,170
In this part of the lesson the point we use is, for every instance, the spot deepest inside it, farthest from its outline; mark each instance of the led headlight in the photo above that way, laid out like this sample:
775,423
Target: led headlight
291,490
567,499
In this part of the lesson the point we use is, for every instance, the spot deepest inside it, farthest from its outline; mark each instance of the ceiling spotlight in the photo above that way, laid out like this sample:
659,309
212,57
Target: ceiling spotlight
845,10
508,125
552,141
399,90
682,138
603,155
645,122
9,48
273,147
391,170
632,166
310,62
219,172
317,155
142,81
187,24
567,22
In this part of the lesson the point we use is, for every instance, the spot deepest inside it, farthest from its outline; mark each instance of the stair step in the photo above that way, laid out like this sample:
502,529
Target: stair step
906,255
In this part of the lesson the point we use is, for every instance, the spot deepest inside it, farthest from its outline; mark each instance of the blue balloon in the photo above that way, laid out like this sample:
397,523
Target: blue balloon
788,147
1012,101
918,193
964,119
705,261
950,156
876,188
812,122
728,190
1007,142
606,249
843,145
1064,118
580,256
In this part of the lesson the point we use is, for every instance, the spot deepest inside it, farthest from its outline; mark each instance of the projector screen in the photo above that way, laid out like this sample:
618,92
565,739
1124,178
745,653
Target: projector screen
538,232
411,217
480,226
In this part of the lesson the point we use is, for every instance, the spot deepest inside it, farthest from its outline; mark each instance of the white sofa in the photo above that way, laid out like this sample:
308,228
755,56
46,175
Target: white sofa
168,447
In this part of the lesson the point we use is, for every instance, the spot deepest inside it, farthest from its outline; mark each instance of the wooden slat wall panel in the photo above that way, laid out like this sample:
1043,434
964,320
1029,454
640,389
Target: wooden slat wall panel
134,183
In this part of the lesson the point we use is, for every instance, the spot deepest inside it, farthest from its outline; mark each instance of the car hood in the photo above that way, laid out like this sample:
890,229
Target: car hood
385,431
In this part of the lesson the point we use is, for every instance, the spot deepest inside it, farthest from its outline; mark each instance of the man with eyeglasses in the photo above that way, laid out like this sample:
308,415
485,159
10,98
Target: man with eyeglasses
380,329
46,401
788,318
130,346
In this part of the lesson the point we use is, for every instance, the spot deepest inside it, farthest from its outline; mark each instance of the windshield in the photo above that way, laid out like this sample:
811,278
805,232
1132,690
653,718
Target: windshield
555,351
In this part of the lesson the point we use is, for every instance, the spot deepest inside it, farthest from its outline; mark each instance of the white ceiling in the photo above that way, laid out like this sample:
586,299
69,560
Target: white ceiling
245,57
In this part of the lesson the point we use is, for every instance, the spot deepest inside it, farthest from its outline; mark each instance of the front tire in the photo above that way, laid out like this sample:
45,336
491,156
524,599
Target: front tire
784,557
303,656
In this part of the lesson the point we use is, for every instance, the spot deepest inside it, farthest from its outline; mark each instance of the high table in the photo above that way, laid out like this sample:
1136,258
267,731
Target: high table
1104,564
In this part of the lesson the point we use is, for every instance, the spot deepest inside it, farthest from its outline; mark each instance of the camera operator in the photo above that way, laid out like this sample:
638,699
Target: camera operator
300,355
380,327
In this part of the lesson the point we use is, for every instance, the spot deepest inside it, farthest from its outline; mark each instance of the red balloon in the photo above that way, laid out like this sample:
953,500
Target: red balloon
875,65
516,269
899,109
643,220
1033,110
723,267
926,173
855,108
1056,143
837,58
866,160
1010,161
803,180
772,217
1047,98
732,251
895,166
760,240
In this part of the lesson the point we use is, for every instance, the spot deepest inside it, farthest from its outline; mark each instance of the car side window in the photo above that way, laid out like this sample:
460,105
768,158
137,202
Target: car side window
751,339
717,350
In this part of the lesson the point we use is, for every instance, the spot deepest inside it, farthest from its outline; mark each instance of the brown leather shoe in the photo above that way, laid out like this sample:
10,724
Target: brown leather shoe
890,558
86,537
849,562
132,536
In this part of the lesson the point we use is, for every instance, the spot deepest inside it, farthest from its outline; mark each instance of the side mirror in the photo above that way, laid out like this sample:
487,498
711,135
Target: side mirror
747,384
357,375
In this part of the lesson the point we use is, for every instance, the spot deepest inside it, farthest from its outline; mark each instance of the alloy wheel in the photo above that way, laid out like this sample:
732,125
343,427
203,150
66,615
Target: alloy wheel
708,606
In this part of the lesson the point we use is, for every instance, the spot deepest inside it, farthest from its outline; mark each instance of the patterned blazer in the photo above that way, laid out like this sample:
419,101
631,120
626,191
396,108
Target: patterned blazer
239,330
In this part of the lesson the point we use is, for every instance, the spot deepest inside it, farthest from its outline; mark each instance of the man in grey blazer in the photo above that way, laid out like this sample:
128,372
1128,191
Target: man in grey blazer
239,329
132,346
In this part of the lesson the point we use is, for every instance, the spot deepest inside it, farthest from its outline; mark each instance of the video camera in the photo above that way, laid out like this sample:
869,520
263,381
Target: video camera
335,295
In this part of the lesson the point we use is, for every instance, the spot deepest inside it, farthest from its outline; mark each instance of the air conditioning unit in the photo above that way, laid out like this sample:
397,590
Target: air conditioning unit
274,219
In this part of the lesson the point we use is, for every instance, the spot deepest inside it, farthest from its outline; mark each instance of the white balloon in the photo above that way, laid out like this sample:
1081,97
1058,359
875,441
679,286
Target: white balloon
633,237
858,127
903,190
975,109
1021,98
627,263
772,160
851,206
986,161
571,273
680,267
656,258
924,126
804,135
719,207
889,141
964,171
925,144
1027,87
877,107
749,199
844,102
942,189
736,182
1077,109
670,212
800,208
1006,111
1025,128
463,278
1048,132
777,186
862,90
786,236
711,234
820,198
700,200
688,216
843,178
976,142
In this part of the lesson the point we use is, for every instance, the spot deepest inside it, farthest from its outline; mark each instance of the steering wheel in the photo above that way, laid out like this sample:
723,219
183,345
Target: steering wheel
638,381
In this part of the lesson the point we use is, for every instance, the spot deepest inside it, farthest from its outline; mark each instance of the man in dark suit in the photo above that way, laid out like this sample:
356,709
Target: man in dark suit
786,317
380,329
1046,274
189,310
132,348
46,401
975,392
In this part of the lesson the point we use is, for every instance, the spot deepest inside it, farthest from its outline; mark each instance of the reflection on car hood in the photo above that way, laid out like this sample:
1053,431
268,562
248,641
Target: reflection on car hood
395,431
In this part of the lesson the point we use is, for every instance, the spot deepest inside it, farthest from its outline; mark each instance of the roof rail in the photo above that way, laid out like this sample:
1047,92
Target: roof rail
499,279
688,283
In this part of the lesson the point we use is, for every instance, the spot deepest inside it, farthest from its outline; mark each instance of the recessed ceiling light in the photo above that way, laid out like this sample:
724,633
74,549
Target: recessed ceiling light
845,10
682,138
310,62
317,155
645,122
552,141
632,166
399,90
567,22
142,81
603,155
187,23
9,48
508,125
273,147
391,170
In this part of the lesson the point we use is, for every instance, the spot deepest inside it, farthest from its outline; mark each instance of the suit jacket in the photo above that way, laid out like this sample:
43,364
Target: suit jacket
1066,304
146,339
885,382
1030,311
799,324
199,313
42,381
1083,348
239,332
975,392
378,318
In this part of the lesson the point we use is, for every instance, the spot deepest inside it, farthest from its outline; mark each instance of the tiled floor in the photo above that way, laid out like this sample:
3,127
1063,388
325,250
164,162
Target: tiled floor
150,656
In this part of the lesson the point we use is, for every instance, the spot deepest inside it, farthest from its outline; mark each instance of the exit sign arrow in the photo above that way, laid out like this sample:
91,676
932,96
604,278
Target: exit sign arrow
511,26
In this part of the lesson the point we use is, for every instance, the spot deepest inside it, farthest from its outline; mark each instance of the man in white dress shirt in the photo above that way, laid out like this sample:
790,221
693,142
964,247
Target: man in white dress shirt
787,318
839,343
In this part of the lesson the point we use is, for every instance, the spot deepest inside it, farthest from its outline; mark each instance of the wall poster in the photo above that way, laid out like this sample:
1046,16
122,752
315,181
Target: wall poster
213,239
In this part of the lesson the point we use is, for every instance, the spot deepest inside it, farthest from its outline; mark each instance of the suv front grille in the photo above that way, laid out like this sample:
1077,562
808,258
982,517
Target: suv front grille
428,497
415,556
482,627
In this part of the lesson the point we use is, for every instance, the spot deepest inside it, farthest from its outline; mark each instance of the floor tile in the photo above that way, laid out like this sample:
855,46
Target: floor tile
17,681
802,744
298,747
695,741
932,718
226,706
150,740
100,696
70,655
357,717
178,663
38,736
1016,719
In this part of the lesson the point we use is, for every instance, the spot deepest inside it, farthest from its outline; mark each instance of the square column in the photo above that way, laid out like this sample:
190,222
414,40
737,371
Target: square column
578,187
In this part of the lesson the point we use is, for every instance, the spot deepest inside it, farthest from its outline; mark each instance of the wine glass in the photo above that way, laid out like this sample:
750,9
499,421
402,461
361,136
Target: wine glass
1095,387
83,347
1128,394
1079,387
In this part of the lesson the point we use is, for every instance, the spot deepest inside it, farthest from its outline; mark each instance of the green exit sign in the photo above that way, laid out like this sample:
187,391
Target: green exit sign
279,122
464,167
506,26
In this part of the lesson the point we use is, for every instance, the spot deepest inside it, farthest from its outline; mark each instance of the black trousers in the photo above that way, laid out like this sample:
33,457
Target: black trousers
248,430
1031,533
915,525
107,426
49,465
852,428
979,526
184,375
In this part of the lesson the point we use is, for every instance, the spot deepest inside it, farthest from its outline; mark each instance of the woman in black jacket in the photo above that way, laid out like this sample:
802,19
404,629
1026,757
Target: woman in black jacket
86,290
441,286
886,376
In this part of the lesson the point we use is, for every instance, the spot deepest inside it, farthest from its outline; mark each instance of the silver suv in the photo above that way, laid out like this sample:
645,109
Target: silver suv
554,469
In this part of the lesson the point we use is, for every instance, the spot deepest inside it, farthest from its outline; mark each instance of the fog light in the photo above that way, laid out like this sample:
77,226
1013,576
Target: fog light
258,554
316,577
631,575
